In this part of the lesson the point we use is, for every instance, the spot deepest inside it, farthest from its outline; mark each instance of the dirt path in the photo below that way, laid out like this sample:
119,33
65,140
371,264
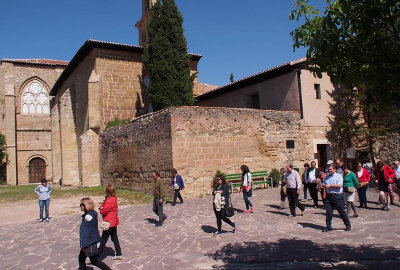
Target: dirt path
28,210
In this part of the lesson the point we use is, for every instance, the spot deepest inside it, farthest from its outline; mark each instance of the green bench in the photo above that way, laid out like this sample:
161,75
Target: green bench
259,178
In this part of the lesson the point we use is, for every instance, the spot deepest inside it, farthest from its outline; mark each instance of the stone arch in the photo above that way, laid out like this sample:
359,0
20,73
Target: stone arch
34,98
37,168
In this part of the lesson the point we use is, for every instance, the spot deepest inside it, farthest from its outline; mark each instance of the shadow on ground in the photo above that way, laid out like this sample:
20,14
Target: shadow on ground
304,254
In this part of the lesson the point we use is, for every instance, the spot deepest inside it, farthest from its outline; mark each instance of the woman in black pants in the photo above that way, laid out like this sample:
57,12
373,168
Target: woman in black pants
89,236
222,189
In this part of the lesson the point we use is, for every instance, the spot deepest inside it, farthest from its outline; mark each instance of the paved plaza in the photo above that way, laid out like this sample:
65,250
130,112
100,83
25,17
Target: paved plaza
266,239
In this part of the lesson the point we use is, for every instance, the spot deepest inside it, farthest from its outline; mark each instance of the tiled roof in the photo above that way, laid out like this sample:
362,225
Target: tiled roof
205,88
255,78
48,62
88,46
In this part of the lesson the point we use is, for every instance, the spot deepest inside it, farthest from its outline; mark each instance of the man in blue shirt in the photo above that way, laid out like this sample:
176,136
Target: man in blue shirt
333,184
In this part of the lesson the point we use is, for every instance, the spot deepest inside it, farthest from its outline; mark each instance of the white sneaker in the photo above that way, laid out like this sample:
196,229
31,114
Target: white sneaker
116,257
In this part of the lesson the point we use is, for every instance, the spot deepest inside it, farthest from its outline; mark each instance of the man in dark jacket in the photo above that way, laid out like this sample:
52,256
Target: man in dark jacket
159,195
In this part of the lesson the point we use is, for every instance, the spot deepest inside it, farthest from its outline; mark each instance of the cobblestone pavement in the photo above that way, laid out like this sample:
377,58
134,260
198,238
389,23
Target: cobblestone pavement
266,239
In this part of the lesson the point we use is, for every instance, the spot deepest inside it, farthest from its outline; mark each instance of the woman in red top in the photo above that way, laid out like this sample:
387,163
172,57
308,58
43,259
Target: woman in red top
384,178
363,177
109,211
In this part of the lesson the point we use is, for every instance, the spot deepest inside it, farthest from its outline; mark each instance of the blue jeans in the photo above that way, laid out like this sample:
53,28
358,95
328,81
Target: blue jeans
246,199
45,204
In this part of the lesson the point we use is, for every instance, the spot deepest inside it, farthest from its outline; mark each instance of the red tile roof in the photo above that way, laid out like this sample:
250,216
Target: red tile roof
48,62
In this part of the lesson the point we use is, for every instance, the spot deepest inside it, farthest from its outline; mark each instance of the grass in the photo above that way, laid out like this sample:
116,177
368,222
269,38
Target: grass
25,192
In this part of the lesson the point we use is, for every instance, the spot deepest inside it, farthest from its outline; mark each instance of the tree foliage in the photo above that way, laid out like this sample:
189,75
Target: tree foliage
166,58
357,43
3,149
117,122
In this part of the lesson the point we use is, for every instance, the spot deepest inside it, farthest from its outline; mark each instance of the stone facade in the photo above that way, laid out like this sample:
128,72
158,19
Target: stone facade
28,132
105,81
197,141
388,148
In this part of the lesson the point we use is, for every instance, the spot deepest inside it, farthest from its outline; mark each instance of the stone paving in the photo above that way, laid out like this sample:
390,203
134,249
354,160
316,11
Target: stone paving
266,239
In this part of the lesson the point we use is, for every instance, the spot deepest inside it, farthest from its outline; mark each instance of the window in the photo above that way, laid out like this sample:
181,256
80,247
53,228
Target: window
289,144
253,101
35,99
317,88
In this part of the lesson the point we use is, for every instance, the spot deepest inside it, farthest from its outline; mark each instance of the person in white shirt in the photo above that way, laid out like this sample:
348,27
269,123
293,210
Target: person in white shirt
43,190
312,176
293,188
246,187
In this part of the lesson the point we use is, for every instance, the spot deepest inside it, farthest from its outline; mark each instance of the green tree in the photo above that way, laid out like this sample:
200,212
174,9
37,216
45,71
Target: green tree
357,43
166,59
231,78
3,149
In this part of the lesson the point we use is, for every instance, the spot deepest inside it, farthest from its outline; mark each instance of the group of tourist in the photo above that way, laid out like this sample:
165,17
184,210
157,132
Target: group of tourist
336,184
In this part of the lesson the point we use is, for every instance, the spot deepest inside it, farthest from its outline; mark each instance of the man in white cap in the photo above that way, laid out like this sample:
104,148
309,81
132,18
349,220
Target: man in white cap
329,162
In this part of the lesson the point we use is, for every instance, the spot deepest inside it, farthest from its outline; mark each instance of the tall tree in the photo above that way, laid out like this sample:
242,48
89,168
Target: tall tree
357,43
166,59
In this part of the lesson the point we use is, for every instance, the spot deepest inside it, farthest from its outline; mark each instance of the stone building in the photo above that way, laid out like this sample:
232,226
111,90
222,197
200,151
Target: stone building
25,117
103,81
288,87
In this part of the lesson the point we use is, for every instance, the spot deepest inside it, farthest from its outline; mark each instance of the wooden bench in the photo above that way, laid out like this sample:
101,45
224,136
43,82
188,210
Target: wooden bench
259,178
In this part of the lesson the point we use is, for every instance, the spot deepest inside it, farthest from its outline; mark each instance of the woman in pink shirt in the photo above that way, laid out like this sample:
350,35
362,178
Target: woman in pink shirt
363,177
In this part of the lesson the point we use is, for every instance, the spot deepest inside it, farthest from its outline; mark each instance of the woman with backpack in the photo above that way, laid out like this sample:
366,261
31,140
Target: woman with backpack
221,202
247,188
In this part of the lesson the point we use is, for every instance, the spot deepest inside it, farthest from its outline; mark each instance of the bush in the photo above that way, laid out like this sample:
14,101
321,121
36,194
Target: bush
218,173
117,122
276,176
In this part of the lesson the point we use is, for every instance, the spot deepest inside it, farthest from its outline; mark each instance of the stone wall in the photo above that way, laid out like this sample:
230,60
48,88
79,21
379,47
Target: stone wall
197,141
130,153
388,148
122,90
209,139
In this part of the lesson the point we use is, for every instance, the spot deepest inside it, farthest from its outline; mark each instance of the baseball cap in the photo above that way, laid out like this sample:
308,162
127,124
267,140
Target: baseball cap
329,162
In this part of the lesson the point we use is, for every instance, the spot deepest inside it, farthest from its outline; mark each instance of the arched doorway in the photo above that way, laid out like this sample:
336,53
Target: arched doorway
37,170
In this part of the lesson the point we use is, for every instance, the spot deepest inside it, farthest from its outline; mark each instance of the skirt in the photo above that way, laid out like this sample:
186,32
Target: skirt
349,196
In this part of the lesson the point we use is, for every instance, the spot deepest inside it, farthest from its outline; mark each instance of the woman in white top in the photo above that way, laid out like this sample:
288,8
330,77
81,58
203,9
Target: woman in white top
43,190
246,187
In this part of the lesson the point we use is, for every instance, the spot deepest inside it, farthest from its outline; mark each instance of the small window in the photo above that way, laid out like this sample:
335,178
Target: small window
289,144
253,101
317,88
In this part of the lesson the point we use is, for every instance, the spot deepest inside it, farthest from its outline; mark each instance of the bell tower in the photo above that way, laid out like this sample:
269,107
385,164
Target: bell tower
141,25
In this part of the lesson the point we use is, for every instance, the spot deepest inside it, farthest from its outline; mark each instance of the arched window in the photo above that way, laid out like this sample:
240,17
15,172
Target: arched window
35,99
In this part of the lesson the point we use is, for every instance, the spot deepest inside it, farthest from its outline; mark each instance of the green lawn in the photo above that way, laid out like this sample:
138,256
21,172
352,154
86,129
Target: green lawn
25,192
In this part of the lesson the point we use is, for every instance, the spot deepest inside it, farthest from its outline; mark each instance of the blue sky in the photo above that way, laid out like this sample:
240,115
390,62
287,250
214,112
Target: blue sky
234,36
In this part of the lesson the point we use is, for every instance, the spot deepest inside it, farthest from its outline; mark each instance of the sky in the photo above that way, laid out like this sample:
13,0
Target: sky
242,37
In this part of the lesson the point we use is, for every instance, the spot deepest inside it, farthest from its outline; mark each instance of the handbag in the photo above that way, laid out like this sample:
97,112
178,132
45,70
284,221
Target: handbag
348,189
250,192
229,211
363,184
105,225
91,250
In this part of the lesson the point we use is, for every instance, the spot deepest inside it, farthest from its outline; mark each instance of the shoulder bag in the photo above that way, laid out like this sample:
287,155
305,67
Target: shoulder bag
229,211
105,225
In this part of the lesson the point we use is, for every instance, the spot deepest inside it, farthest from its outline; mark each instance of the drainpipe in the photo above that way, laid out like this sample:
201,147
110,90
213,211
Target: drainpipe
300,94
